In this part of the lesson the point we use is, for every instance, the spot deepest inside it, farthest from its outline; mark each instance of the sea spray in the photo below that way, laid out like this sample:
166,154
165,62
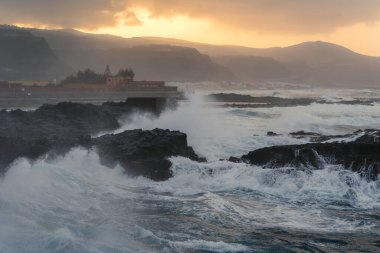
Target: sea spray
74,204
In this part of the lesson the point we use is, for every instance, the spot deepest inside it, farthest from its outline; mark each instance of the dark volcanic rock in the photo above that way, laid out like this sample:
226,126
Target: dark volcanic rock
51,128
270,133
361,155
56,129
316,137
144,153
68,120
259,102
64,120
247,101
13,148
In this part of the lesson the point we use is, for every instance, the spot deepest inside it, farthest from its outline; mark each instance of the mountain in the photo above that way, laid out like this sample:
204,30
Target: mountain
169,63
319,64
24,56
150,61
255,69
327,65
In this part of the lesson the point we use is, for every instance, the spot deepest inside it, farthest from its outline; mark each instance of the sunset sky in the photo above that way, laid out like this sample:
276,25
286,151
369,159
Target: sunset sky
256,23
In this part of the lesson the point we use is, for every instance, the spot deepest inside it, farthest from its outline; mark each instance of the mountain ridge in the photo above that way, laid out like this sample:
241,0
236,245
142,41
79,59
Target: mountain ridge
25,56
314,63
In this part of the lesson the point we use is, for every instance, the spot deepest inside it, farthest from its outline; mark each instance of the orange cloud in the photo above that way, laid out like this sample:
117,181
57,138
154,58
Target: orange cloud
89,14
272,16
263,16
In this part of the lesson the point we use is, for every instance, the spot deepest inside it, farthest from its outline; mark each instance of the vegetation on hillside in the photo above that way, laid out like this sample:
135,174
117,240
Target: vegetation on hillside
89,76
128,72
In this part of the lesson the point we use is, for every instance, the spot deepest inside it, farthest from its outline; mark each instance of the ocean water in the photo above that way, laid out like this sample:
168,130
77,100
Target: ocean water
74,204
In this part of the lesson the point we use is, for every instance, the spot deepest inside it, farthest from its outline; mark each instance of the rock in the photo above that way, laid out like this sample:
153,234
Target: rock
316,137
247,101
302,134
55,129
361,155
234,160
13,148
270,133
371,136
68,120
140,153
51,129
144,153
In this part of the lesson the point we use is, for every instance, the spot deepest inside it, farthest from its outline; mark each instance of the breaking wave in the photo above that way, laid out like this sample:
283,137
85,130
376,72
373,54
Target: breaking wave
75,204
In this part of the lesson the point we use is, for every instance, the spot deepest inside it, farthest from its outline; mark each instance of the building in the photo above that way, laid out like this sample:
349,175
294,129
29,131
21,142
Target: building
125,83
114,82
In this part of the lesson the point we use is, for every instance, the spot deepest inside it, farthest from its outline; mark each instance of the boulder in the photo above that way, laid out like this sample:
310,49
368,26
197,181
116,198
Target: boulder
56,129
361,155
144,153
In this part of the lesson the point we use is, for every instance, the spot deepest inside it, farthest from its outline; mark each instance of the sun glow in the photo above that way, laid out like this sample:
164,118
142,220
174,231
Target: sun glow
181,27
38,26
206,31
361,37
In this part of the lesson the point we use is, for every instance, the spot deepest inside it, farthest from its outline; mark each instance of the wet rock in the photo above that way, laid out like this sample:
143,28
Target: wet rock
247,101
13,148
234,159
55,129
316,137
144,153
361,155
68,120
260,101
140,153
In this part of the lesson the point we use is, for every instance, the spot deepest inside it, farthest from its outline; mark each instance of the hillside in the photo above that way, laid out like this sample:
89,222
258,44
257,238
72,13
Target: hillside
255,69
318,64
162,62
25,56
169,63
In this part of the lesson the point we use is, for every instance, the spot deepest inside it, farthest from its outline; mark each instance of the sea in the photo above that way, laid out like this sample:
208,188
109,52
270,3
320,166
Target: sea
75,205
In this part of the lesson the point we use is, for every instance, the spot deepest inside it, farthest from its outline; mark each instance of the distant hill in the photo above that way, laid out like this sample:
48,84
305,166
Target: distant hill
150,61
169,63
327,65
255,69
319,64
24,56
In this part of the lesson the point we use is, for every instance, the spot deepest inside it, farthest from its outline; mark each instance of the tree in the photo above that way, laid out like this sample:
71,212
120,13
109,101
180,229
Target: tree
128,72
87,76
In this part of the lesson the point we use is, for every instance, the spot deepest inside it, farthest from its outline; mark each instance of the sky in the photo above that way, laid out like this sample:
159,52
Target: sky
255,23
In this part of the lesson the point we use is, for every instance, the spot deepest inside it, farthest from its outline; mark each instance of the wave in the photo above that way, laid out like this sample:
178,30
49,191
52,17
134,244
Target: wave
248,113
74,204
218,133
331,185
322,200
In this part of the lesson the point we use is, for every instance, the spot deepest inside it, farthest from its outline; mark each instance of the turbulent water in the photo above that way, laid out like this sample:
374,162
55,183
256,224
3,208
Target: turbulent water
74,204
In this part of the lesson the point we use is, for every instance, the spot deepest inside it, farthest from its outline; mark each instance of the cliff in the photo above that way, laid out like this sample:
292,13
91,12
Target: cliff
24,56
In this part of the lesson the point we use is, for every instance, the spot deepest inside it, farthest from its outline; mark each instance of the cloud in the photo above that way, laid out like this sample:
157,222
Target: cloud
88,14
273,16
263,16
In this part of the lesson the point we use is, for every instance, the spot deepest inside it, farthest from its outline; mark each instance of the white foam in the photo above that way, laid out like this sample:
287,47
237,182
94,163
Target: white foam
212,246
272,198
78,205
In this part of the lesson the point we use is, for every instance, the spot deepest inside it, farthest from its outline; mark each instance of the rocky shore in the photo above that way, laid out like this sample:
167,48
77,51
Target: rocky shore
247,101
55,129
361,155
